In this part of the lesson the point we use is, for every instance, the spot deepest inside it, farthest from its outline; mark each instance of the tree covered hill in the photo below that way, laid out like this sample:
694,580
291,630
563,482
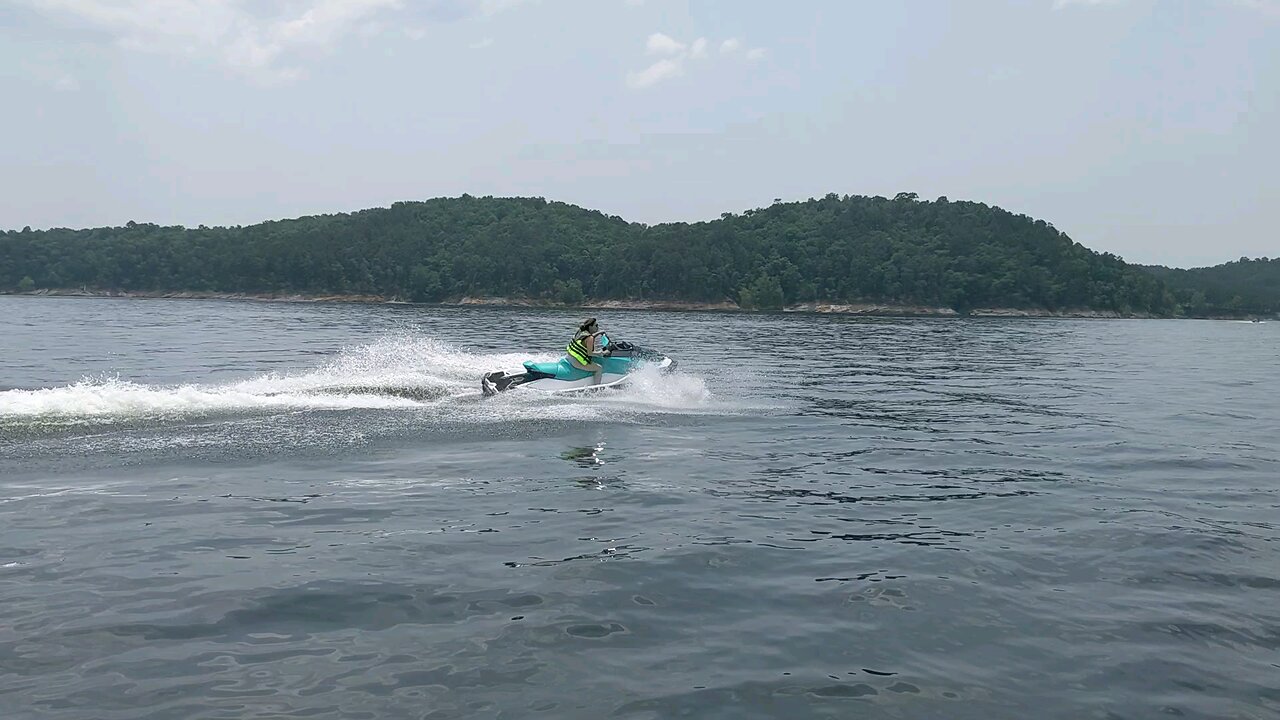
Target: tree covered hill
961,255
1242,287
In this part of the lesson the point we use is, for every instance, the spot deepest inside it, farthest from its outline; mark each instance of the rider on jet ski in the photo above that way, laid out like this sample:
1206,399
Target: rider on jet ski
583,346
592,359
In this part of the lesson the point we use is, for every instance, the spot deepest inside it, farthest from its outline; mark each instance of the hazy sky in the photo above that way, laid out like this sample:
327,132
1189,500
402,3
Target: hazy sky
1148,128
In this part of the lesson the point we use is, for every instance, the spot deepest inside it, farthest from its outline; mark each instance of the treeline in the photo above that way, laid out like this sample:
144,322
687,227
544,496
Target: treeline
961,255
1242,287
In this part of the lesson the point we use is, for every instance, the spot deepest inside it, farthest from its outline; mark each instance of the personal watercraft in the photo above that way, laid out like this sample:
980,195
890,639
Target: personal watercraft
619,360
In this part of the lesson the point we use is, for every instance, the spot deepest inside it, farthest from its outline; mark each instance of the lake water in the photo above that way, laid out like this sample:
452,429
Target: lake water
253,510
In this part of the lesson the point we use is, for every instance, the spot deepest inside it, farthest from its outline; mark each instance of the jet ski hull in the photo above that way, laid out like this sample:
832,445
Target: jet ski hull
561,376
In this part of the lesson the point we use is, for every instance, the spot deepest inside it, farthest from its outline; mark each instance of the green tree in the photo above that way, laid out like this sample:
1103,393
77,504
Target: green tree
569,293
424,284
833,248
1240,287
764,293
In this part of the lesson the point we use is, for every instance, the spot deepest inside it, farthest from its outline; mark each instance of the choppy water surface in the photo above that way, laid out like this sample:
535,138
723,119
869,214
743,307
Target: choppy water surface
239,510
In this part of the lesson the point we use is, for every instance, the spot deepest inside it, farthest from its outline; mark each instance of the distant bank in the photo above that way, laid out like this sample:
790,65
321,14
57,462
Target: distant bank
819,308
849,254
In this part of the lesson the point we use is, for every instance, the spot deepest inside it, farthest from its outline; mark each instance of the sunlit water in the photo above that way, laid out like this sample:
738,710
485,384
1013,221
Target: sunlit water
240,510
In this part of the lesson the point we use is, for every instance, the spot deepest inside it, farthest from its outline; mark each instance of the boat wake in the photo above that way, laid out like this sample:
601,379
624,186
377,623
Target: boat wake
402,373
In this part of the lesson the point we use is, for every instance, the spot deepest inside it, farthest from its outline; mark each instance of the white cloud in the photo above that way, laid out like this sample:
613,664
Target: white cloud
324,21
371,29
1271,8
699,49
677,53
659,44
48,74
232,33
492,7
66,83
481,44
663,69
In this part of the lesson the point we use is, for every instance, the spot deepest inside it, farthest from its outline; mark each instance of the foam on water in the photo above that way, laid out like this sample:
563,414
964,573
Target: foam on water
394,373
114,397
650,387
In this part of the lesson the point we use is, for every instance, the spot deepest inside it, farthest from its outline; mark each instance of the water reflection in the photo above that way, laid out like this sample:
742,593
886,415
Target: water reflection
586,457
590,458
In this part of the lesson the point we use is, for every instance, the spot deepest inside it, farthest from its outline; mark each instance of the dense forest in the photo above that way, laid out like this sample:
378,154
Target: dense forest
1243,287
961,255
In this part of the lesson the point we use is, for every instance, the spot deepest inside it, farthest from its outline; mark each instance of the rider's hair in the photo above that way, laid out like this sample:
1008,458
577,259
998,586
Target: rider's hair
587,323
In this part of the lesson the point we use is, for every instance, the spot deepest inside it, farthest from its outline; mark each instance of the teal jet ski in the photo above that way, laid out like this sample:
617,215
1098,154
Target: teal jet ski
619,360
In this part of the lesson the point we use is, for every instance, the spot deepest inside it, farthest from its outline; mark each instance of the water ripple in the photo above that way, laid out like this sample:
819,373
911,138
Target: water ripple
301,511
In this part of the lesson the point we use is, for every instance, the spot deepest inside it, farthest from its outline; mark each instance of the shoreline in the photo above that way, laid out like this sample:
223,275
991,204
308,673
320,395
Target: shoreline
817,308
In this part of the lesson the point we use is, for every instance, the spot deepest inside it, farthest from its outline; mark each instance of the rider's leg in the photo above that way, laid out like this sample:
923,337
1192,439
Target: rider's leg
592,367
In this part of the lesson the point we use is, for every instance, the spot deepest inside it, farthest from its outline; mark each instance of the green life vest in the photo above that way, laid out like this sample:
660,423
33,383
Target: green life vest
578,350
